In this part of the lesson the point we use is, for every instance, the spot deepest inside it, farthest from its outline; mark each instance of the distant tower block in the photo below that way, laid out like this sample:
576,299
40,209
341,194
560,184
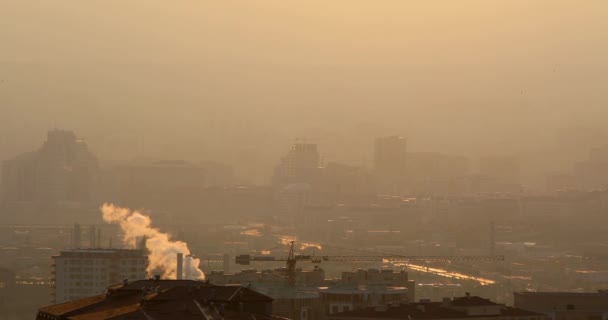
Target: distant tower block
180,266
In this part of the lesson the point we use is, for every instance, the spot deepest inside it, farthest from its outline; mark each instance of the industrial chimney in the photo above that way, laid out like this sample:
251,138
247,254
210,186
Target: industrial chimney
180,266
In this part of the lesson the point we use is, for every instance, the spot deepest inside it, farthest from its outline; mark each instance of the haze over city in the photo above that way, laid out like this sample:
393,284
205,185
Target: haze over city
202,80
193,140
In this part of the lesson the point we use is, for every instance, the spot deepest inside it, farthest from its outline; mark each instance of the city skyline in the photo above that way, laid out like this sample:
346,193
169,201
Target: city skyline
315,160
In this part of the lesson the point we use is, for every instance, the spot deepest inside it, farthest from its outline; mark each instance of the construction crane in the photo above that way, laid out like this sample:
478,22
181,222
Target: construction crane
292,259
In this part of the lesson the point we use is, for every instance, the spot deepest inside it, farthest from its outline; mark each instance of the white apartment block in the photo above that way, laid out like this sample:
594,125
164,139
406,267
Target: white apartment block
80,273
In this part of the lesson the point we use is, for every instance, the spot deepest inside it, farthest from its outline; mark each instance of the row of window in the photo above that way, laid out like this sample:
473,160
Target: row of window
87,276
102,262
84,261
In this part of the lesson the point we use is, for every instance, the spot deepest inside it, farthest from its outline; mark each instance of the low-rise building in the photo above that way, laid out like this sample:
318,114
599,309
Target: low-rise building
80,273
365,288
467,307
343,298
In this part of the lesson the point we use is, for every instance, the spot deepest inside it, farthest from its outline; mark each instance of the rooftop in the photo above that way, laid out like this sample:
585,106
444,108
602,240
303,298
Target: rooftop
428,310
577,294
468,301
164,299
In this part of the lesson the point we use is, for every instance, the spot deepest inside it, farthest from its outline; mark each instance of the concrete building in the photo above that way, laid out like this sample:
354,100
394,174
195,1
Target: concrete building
468,307
299,303
80,273
362,288
165,299
346,298
565,305
315,297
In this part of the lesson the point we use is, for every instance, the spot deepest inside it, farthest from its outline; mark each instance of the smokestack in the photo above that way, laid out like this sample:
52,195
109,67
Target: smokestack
187,266
158,246
180,266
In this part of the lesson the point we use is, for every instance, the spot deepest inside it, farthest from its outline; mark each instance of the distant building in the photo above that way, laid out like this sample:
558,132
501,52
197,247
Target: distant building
79,273
299,303
504,168
435,173
314,297
159,176
218,174
565,305
62,170
390,163
339,182
270,277
468,307
300,165
165,299
364,288
593,172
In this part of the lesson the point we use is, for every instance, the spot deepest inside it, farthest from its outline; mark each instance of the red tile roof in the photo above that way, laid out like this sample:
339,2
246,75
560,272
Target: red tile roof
160,299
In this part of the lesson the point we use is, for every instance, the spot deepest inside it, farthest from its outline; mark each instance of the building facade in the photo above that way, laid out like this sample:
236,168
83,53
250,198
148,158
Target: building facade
80,273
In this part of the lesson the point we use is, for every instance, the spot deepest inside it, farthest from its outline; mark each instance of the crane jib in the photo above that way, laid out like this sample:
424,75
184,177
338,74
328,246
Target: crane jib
246,259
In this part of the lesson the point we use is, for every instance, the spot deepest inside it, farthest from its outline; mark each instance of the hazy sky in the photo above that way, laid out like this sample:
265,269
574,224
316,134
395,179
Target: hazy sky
234,80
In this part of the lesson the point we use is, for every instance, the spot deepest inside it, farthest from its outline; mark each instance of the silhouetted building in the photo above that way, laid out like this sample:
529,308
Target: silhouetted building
468,307
300,165
62,170
165,299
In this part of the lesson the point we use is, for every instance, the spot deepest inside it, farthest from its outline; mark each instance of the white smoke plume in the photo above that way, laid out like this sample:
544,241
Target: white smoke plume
162,250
